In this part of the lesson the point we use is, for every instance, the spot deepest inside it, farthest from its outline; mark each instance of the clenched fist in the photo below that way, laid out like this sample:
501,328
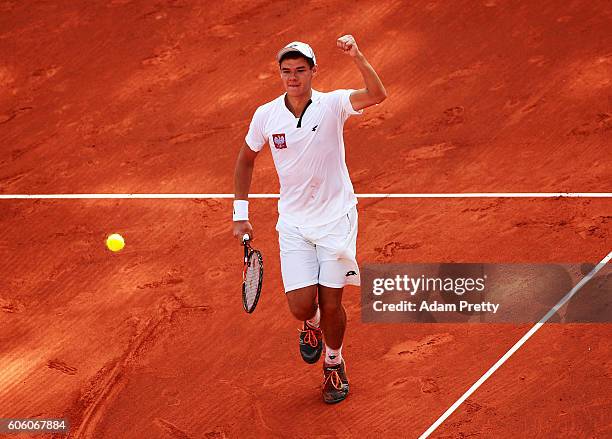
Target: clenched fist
348,45
240,228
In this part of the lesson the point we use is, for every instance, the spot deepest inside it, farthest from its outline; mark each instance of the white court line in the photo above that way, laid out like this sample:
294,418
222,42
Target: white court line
514,348
231,196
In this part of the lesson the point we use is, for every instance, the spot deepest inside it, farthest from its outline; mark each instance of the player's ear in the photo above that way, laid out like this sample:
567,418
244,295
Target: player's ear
315,69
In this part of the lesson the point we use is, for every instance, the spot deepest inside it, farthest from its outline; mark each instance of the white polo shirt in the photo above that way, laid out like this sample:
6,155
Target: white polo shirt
315,187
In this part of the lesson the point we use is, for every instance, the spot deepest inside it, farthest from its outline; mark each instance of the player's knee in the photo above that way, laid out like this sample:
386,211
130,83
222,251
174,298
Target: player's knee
301,311
302,302
330,307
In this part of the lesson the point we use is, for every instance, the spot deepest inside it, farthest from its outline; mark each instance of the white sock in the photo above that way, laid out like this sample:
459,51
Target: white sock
333,356
316,319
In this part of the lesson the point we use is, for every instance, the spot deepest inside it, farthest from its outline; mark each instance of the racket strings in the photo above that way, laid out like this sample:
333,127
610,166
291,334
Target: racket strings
252,277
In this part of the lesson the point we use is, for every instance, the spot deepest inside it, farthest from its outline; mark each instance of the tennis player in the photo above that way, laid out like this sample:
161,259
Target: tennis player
317,223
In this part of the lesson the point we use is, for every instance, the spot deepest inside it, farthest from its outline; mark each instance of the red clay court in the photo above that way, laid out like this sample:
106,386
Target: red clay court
138,97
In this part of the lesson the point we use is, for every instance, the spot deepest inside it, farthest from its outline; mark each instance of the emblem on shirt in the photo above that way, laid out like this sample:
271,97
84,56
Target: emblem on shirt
279,141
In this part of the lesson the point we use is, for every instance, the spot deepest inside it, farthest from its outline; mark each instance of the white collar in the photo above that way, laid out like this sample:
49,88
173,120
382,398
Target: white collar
315,96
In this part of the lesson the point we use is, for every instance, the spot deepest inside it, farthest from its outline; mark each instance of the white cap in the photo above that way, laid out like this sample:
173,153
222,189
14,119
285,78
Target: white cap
297,46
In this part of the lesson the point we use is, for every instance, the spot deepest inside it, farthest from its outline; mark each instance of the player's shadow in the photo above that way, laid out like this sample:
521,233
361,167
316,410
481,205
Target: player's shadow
592,303
527,292
524,292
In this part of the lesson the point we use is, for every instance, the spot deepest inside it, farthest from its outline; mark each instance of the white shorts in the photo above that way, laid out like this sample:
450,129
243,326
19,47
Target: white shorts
324,255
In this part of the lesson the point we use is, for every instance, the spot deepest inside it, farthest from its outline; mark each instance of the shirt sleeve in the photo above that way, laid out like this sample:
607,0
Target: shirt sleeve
255,137
341,103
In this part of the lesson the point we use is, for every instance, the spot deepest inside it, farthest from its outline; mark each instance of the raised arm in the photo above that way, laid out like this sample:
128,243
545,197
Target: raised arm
374,91
242,183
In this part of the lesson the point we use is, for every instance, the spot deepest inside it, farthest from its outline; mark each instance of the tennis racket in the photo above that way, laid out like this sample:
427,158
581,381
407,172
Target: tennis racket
252,276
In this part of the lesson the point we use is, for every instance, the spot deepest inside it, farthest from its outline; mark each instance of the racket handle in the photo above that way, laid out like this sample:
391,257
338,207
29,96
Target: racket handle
245,242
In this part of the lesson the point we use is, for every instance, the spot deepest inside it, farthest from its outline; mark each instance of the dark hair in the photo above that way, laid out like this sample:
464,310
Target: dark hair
295,55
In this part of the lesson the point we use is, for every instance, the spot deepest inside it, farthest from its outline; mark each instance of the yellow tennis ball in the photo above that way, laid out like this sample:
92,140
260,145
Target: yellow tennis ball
115,242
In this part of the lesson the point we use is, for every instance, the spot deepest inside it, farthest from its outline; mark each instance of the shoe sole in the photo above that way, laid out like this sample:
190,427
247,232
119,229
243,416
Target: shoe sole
335,401
314,360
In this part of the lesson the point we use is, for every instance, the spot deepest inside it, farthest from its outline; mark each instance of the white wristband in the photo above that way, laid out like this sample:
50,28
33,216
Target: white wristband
241,210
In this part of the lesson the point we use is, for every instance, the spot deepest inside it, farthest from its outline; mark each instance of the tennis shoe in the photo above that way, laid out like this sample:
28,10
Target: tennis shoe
311,343
335,383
